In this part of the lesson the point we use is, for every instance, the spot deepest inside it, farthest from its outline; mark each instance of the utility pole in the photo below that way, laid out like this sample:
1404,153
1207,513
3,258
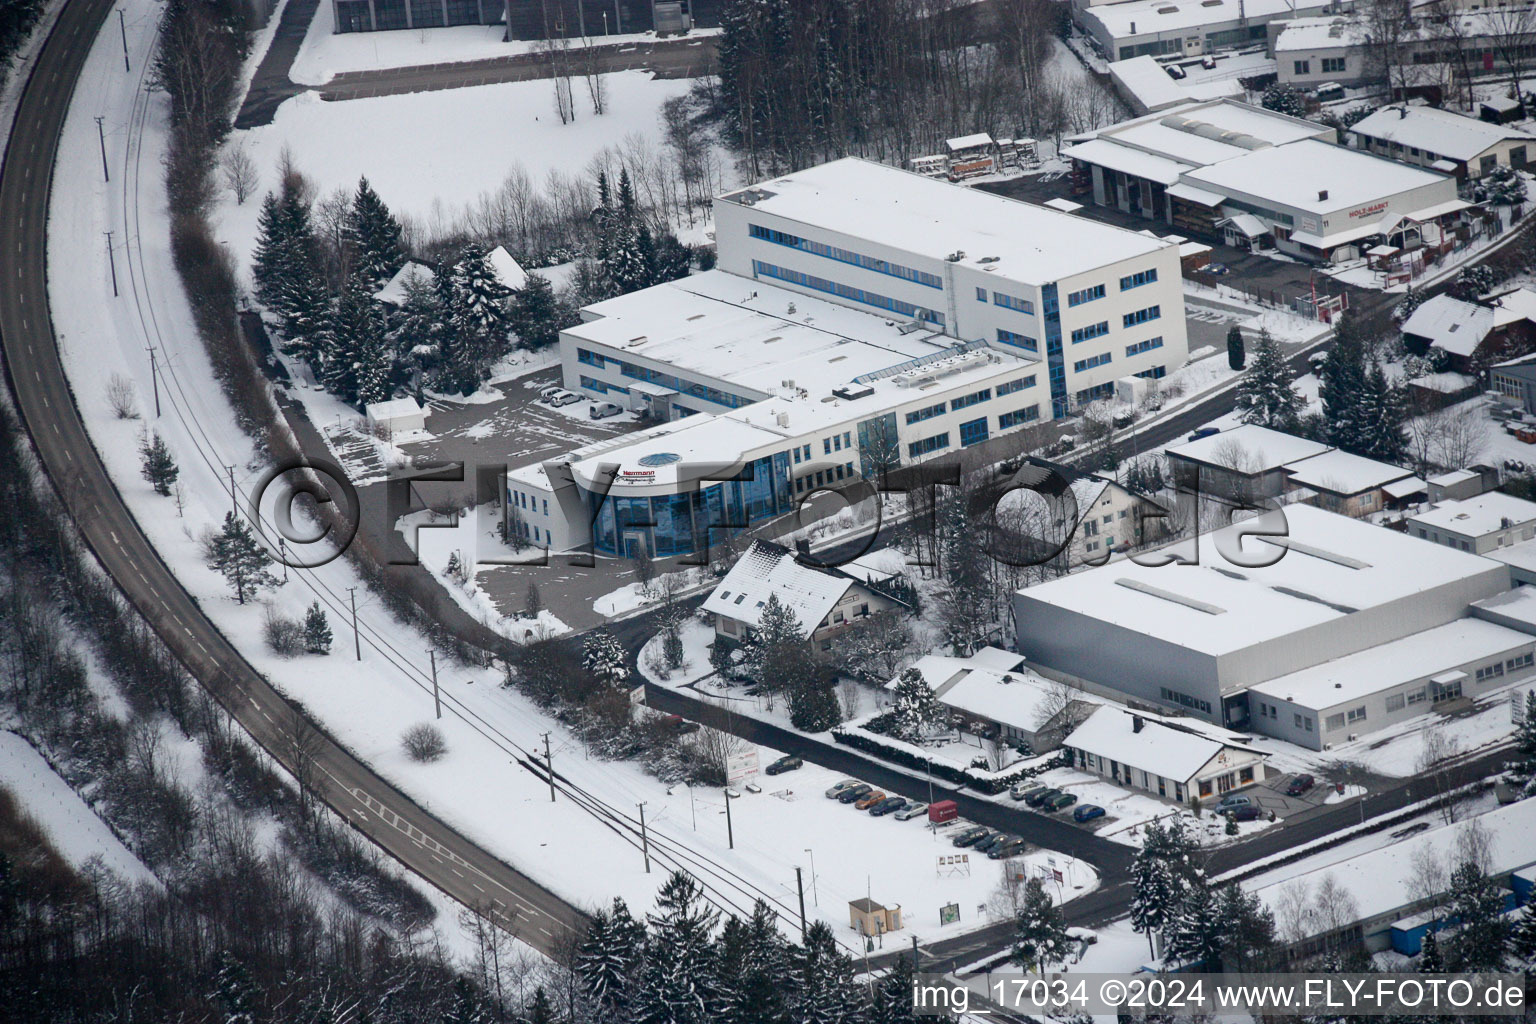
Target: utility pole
101,135
357,643
549,764
234,502
437,702
282,555
112,262
122,24
730,836
914,954
814,896
645,845
154,376
800,886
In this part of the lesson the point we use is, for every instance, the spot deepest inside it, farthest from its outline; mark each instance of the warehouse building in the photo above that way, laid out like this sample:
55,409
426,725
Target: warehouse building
1442,140
1196,636
1190,28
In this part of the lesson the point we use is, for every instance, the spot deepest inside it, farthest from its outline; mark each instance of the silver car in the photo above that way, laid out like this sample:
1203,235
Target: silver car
910,811
602,410
560,398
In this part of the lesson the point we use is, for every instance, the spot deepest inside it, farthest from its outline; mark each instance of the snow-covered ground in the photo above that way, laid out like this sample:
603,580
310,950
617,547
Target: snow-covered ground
324,54
76,832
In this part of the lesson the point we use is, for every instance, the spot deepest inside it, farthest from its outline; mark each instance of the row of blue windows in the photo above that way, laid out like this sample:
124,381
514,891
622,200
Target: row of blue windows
1010,386
673,524
1097,330
1012,302
848,256
966,401
837,442
821,284
1141,316
657,377
589,357
1019,416
917,449
532,533
1138,279
602,387
1155,372
523,501
1098,391
1144,346
1021,340
802,452
973,432
823,478
1083,295
925,413
1090,362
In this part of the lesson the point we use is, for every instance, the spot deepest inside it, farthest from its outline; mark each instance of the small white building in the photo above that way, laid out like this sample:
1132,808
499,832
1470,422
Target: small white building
508,271
414,275
1479,525
1442,140
397,416
1165,756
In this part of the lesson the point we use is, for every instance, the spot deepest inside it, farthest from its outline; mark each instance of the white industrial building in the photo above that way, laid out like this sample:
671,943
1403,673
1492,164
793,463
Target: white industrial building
1260,179
1442,140
859,318
1198,637
1162,755
1479,525
1191,28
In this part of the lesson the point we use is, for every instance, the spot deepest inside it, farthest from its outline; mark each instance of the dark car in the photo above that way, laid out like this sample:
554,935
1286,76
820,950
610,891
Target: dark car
890,805
855,793
1012,848
1058,802
1246,812
1088,812
1036,799
782,765
1204,432
971,836
989,841
1299,785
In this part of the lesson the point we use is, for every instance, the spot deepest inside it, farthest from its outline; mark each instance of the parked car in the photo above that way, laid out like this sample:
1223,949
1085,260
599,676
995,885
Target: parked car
562,397
602,410
1232,800
840,788
989,840
681,725
1174,71
1411,830
971,836
1245,812
869,799
1299,785
856,792
550,391
1022,790
1204,432
1037,798
1208,62
1012,848
1087,812
788,763
889,805
1058,802
911,811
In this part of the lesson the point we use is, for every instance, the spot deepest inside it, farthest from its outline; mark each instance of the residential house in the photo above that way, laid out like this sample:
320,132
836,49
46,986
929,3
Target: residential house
1474,335
1110,517
1479,525
1176,759
1463,483
1441,140
1350,485
1243,464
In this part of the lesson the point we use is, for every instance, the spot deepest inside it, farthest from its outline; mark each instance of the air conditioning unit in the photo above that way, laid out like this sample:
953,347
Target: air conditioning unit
1327,746
1353,736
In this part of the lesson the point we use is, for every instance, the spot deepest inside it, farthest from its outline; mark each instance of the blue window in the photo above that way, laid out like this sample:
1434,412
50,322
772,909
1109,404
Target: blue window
797,455
966,401
973,432
821,284
981,294
592,384
1009,387
1142,316
928,413
1097,330
826,446
1012,302
1090,362
917,449
588,357
1144,346
1096,392
1021,340
856,259
1138,279
1018,417
1155,372
1083,295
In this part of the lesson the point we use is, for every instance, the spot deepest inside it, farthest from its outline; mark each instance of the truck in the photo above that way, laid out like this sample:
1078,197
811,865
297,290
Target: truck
941,811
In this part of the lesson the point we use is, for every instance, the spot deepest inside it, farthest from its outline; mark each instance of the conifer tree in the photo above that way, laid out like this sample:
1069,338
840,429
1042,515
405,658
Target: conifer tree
1475,901
317,630
476,308
672,260
1040,933
235,554
1431,961
1522,770
1342,387
1195,937
813,704
916,708
1247,929
754,969
541,1011
603,656
535,315
286,268
966,580
355,363
823,981
1384,412
893,996
235,990
680,969
1522,940
378,249
157,465
1235,355
1266,395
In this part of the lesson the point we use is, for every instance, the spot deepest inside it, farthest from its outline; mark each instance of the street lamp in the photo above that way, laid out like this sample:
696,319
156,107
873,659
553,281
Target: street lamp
814,897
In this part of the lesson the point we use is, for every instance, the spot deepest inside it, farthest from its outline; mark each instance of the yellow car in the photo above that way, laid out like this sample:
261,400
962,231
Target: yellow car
869,799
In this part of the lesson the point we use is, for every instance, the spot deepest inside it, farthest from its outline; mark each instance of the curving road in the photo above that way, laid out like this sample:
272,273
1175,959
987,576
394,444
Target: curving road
417,839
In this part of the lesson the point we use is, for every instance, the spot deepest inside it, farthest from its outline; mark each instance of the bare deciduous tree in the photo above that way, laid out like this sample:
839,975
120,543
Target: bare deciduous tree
121,397
239,172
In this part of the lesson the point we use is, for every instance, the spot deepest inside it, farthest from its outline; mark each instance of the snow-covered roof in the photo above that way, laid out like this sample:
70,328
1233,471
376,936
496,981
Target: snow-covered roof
508,271
1146,83
1063,205
395,408
1411,658
1248,224
993,684
1513,306
1332,566
1157,747
1408,485
414,272
1375,880
1515,607
1473,517
968,142
1319,34
766,569
1343,473
1443,132
1263,449
1454,477
1205,197
1136,162
908,212
1155,17
1449,323
1294,175
1446,382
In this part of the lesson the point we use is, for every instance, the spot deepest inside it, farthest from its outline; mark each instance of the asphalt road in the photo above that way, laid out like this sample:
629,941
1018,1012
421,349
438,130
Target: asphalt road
417,839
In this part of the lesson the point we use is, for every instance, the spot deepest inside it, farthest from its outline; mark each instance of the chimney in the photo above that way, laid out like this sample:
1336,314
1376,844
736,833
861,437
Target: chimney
1136,723
1133,28
1322,194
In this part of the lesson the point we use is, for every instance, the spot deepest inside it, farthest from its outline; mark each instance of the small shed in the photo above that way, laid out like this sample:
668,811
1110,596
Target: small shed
869,918
397,416
1500,110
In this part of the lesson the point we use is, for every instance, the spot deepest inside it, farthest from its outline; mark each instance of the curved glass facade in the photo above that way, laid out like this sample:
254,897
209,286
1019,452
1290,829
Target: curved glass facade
675,524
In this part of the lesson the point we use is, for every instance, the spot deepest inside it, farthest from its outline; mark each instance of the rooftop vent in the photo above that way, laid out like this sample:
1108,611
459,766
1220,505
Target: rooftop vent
853,391
1136,723
1322,194
956,256
638,340
1168,10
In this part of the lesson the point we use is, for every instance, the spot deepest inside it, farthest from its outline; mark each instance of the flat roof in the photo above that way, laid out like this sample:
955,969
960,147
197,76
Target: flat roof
1294,174
892,207
1474,517
1392,664
1108,153
993,684
1334,566
1518,604
1440,131
1319,33
1344,473
1146,80
1264,449
1150,17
